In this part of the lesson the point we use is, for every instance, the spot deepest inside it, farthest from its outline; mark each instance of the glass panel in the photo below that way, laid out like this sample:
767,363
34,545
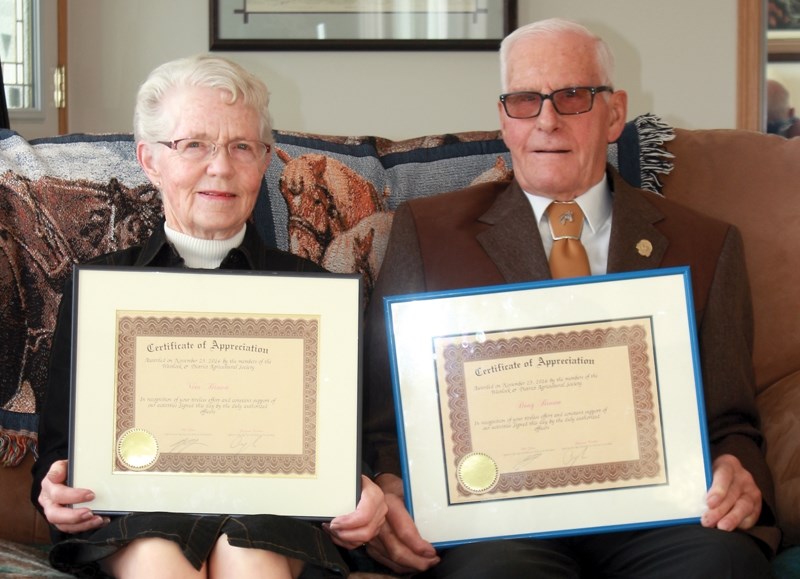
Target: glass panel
17,43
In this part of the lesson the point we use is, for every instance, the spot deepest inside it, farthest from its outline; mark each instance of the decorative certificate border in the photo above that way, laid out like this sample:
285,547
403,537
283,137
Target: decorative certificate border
353,25
542,410
561,407
241,386
216,330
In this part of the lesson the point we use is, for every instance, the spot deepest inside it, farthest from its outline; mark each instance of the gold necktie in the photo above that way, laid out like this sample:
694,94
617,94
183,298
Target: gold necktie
568,256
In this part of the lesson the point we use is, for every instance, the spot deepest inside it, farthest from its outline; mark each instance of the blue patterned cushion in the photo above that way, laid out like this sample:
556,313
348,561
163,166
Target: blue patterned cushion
66,199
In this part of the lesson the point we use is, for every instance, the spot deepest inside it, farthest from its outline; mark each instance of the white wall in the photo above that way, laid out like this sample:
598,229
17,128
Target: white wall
676,58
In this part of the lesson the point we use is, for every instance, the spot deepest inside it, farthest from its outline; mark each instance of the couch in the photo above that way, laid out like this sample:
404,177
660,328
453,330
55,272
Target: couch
65,199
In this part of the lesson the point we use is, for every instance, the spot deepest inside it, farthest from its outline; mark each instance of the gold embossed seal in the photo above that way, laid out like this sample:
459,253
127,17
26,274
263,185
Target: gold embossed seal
477,472
137,449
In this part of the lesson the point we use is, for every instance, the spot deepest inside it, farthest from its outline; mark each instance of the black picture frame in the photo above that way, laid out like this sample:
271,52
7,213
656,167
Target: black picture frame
223,11
190,373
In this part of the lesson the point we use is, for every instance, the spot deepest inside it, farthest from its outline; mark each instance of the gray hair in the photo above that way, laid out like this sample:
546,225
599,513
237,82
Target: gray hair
202,71
605,58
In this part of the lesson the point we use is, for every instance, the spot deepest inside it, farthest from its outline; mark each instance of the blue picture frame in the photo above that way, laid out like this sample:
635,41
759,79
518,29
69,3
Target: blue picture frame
459,492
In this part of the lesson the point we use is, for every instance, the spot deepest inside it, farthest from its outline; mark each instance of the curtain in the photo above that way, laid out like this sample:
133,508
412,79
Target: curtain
5,122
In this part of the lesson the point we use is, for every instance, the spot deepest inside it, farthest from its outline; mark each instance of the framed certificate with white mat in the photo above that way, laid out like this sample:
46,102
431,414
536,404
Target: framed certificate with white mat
550,408
233,392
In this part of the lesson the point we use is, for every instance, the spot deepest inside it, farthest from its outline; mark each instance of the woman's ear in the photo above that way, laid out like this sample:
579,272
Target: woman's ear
147,159
268,158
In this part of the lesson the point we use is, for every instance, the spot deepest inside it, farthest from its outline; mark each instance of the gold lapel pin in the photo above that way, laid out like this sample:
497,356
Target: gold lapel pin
644,247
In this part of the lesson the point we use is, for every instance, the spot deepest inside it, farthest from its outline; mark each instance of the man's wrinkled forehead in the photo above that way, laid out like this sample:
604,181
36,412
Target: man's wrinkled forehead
556,59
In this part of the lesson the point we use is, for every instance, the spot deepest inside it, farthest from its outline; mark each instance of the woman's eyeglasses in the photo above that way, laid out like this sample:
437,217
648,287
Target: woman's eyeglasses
203,150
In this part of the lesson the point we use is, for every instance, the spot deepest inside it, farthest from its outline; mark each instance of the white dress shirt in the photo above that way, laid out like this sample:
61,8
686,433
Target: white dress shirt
596,206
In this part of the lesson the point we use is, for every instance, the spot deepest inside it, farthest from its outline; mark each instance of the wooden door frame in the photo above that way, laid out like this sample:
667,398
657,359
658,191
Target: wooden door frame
751,64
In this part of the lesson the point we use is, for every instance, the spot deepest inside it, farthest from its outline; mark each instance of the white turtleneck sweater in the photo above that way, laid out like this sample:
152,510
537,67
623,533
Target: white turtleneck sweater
202,253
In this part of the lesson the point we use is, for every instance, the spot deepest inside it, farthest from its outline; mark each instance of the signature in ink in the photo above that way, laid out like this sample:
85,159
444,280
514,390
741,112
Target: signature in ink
527,461
242,442
573,455
185,444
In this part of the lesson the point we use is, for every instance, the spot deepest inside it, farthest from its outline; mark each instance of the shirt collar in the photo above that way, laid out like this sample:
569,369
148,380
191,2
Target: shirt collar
595,203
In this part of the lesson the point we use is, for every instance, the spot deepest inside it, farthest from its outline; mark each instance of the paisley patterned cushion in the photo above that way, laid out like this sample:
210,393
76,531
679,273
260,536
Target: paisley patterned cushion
66,199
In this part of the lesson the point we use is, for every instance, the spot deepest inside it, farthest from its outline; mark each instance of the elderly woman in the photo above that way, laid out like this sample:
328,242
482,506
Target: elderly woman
203,137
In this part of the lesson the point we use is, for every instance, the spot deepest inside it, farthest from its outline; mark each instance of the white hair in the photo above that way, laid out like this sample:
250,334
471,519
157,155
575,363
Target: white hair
605,58
201,71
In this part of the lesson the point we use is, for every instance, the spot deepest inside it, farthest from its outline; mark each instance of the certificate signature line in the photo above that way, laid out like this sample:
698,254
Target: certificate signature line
527,462
570,457
243,442
238,444
573,455
185,444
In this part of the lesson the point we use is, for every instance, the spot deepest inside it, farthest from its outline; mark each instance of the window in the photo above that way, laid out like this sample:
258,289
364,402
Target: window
18,33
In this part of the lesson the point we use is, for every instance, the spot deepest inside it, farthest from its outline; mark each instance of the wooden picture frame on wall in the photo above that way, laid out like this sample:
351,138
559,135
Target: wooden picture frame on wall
346,25
783,30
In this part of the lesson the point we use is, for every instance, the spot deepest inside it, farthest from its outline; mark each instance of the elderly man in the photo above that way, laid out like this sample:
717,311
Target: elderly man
558,113
781,118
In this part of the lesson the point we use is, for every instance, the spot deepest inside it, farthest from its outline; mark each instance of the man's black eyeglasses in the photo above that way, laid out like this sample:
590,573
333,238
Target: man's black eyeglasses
574,100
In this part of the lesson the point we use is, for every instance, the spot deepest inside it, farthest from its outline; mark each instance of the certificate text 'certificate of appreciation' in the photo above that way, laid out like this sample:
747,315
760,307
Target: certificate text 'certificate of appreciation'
562,407
211,392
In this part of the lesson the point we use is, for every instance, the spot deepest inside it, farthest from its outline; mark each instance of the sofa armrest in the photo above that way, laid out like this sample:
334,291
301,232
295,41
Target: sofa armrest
779,405
21,522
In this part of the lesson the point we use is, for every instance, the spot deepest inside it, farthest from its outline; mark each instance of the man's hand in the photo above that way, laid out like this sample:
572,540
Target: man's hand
355,529
399,546
55,498
734,500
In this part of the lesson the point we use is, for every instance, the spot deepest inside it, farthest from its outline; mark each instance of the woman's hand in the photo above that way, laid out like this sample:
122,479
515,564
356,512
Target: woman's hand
353,530
55,498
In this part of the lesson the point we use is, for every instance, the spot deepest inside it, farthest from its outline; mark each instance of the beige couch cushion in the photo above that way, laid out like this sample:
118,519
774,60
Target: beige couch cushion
726,173
779,404
753,181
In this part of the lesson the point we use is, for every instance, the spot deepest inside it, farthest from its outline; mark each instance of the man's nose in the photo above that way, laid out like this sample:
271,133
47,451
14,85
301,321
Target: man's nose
548,117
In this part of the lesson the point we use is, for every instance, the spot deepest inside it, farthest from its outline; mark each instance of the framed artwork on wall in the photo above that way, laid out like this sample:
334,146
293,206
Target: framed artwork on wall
360,24
783,30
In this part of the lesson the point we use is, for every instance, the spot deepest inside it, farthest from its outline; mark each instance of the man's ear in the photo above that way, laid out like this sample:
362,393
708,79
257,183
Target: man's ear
618,114
503,118
146,158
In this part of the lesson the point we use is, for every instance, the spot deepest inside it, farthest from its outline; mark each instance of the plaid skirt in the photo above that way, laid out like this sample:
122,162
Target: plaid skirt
196,536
